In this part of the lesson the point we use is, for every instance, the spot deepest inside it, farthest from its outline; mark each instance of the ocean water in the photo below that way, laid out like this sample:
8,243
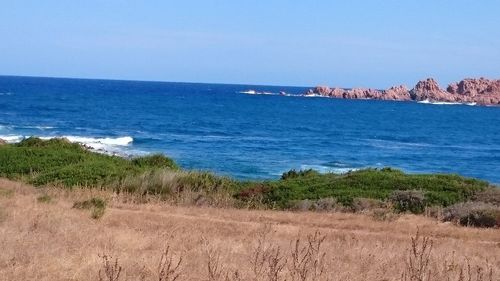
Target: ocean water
257,135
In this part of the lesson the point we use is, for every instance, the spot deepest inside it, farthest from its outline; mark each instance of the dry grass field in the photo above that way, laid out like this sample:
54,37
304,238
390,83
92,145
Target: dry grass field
42,237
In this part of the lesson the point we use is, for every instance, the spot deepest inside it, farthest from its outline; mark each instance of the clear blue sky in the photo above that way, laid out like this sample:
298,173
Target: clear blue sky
279,42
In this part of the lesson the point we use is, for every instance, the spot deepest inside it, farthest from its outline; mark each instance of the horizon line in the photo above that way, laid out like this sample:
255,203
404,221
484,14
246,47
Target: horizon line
222,83
147,81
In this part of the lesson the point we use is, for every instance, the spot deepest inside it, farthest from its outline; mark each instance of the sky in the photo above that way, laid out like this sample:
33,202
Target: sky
351,43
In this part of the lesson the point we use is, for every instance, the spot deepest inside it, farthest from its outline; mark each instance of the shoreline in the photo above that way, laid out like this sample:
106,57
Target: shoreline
101,145
60,163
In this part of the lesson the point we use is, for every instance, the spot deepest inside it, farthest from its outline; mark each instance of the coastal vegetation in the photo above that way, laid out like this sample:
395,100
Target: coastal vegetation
110,211
60,163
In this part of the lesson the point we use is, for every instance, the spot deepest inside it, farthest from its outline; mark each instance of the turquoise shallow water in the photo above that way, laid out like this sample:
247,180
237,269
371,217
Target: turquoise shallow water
216,127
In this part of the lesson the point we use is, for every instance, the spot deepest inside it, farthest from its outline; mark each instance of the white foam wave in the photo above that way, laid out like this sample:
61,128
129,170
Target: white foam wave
313,96
35,127
254,92
12,138
445,103
249,92
120,141
108,145
327,169
6,94
105,145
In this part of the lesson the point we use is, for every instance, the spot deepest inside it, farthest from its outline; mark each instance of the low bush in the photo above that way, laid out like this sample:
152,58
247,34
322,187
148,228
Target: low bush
302,173
360,205
60,162
320,205
97,213
477,214
434,212
408,201
155,161
167,181
489,196
300,205
44,198
197,181
383,214
378,184
326,204
94,202
96,205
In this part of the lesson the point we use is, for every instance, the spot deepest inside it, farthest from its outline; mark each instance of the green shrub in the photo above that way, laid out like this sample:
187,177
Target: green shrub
97,213
159,182
377,184
302,173
197,181
44,198
96,205
408,201
155,161
94,202
60,162
55,142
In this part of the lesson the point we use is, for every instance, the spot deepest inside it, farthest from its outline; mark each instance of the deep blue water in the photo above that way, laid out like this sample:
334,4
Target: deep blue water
214,127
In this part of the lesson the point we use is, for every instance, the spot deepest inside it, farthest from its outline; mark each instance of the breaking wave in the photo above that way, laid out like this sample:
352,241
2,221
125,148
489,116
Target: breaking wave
446,103
12,138
106,145
254,92
328,169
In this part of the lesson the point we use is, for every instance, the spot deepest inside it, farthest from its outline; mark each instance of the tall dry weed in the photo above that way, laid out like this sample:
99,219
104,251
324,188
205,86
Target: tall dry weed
169,267
110,270
307,258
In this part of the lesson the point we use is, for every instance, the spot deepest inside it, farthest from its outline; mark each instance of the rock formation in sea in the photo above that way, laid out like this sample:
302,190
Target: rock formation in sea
400,92
481,91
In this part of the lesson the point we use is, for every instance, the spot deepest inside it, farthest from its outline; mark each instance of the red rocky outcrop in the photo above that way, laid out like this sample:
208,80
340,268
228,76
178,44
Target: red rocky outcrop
396,93
393,93
429,90
481,91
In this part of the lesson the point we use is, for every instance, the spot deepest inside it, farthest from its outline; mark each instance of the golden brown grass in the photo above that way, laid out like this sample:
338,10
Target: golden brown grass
50,240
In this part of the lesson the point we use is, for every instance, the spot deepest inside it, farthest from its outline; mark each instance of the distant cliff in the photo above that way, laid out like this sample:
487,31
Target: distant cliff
480,91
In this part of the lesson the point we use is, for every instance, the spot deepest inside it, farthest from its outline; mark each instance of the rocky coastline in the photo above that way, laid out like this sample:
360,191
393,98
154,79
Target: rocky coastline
479,91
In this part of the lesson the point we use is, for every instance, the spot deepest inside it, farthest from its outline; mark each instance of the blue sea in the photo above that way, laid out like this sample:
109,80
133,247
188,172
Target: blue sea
250,131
